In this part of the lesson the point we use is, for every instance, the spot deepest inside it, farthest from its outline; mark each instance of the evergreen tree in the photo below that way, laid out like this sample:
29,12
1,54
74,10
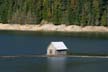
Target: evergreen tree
78,12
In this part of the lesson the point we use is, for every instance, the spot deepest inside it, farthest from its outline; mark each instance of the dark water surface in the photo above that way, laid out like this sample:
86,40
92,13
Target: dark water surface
21,44
27,45
54,65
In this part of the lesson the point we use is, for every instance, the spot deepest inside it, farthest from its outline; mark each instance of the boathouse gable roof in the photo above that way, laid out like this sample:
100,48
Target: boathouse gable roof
59,45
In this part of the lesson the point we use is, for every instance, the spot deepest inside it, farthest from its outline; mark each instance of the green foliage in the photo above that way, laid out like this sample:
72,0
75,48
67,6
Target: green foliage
104,19
78,12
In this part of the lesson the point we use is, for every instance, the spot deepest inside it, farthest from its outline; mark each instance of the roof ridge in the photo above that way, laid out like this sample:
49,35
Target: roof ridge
59,45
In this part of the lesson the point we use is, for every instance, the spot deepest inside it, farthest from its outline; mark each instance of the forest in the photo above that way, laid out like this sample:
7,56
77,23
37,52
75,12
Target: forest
69,12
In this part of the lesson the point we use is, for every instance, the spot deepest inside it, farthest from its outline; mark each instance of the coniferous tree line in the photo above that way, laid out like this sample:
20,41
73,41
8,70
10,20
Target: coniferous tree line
69,12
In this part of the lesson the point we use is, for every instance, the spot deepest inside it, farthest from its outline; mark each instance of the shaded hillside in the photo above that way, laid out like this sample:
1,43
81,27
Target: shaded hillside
78,12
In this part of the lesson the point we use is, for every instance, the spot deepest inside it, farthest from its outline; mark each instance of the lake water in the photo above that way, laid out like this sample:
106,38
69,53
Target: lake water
27,45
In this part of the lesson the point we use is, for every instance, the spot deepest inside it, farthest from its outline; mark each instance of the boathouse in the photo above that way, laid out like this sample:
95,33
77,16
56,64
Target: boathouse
57,48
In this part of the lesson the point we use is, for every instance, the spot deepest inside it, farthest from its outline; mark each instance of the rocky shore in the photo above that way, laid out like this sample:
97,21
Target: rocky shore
52,27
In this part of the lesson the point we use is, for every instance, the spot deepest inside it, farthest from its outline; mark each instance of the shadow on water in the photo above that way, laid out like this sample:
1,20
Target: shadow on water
56,64
91,35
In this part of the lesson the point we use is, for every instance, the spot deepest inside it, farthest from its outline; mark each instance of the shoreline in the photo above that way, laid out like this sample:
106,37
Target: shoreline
53,28
38,56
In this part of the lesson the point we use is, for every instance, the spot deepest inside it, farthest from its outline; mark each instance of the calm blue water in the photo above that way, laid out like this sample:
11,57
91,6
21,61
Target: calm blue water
17,44
27,45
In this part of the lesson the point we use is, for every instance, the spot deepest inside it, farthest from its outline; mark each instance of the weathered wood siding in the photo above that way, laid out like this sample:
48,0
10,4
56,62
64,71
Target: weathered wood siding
51,50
